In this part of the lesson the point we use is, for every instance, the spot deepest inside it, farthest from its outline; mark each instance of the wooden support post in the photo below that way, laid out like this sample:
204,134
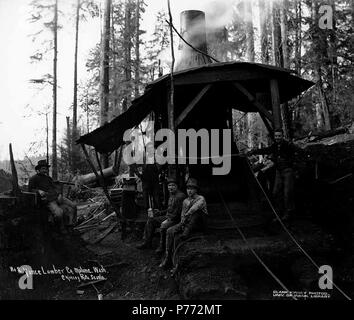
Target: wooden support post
172,169
15,188
105,189
102,182
90,162
170,112
274,89
253,100
192,104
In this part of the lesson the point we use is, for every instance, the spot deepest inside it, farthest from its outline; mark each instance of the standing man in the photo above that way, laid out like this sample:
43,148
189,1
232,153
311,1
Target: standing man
282,153
55,202
149,176
193,215
164,219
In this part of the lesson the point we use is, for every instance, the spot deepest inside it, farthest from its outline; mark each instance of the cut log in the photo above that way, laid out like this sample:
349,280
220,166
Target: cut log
328,134
92,178
214,267
94,217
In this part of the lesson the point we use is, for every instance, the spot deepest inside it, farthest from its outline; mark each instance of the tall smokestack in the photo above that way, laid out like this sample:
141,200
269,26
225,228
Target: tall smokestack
193,30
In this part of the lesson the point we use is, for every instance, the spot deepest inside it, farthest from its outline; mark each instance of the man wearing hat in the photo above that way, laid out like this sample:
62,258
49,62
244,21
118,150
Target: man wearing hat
45,186
194,211
283,155
164,219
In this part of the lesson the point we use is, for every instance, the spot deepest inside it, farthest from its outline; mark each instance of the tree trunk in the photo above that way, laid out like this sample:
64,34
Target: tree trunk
87,113
47,136
250,58
74,131
69,144
275,34
323,105
333,55
104,83
298,41
263,31
127,52
15,187
353,14
249,31
115,69
137,49
352,7
285,62
284,33
55,60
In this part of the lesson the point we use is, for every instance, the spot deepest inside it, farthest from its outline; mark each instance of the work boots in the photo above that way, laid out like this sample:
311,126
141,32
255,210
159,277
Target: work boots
144,245
166,262
59,226
162,244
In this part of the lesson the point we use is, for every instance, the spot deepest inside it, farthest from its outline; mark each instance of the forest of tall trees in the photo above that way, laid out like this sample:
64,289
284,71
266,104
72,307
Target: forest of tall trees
313,37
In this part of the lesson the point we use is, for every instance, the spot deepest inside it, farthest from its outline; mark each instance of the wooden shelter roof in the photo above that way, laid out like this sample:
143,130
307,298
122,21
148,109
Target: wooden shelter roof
234,84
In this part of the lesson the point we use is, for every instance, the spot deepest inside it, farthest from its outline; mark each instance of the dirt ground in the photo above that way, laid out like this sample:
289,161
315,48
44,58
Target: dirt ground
134,275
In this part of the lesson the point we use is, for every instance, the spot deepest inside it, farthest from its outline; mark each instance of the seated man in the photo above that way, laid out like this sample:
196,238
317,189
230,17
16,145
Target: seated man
194,211
56,203
166,218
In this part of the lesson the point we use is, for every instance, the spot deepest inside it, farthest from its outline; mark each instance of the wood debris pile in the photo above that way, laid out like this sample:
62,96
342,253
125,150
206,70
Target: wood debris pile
5,181
97,219
333,155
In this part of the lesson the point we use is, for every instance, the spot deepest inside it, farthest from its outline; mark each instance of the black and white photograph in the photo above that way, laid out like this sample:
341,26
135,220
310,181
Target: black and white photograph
177,154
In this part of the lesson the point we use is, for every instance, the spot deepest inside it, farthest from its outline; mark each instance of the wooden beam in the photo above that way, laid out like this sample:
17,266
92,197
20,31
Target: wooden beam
192,104
274,90
104,186
267,124
253,100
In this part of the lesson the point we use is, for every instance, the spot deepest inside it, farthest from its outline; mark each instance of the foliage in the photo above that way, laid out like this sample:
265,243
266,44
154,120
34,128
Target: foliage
156,48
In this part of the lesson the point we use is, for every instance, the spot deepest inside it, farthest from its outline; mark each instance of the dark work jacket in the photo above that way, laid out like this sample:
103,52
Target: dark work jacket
174,207
282,154
150,175
44,183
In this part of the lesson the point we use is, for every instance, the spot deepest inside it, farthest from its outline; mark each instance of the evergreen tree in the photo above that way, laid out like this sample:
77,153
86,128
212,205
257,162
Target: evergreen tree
157,46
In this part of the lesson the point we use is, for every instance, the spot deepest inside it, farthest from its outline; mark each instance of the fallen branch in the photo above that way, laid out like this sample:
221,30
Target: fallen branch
105,233
84,228
342,178
115,265
94,217
109,216
90,283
